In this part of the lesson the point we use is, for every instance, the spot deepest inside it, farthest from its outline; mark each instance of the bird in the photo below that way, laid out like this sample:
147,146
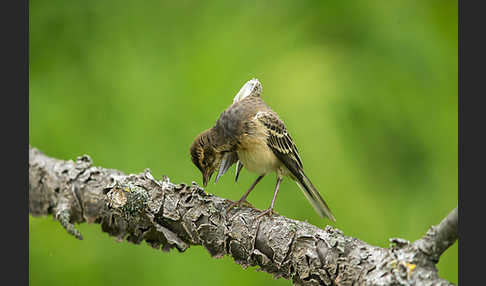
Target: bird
252,135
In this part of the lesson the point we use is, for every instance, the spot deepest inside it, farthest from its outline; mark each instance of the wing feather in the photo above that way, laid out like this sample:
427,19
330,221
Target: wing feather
283,147
251,88
280,141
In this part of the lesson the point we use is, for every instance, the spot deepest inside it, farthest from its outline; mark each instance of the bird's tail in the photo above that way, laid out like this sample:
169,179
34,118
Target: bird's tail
314,197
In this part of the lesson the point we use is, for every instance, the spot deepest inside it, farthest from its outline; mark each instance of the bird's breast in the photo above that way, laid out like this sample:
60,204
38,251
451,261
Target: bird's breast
257,157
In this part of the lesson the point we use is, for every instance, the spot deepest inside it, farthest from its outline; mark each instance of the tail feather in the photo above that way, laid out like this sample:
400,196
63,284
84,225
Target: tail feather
314,197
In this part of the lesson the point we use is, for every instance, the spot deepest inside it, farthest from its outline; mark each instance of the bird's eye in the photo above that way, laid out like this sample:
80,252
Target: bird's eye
204,163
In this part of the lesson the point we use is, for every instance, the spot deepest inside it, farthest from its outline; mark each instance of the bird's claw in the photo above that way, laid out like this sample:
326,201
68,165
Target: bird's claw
270,212
238,204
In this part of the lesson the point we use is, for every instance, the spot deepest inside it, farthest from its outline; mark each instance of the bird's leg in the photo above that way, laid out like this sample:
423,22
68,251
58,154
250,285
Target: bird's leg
243,198
269,211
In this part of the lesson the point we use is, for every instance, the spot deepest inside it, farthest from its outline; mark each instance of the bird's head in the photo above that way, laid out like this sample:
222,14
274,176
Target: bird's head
204,155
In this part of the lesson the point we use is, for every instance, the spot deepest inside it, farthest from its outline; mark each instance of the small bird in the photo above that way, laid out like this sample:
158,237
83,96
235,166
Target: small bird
250,134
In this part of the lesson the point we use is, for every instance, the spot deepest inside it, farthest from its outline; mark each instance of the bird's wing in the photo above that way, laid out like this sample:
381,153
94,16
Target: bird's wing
280,142
239,165
283,147
229,158
251,88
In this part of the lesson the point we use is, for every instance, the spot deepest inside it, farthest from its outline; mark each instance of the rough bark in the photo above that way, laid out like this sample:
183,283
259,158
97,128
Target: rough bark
136,207
439,238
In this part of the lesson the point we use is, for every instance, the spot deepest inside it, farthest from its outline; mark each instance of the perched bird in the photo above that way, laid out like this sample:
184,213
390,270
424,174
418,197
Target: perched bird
250,134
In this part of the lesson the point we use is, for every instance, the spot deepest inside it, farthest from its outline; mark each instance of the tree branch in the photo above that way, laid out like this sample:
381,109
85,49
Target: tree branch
167,215
439,238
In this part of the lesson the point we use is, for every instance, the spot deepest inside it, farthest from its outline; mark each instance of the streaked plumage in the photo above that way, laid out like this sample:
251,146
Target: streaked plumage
252,135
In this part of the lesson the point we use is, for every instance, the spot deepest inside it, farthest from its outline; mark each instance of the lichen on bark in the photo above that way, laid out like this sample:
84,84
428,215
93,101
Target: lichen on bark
137,208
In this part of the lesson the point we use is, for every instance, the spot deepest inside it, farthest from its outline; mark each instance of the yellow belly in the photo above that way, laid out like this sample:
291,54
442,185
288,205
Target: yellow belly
257,157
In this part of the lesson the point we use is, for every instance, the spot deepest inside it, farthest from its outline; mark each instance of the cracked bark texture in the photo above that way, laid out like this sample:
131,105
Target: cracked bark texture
137,207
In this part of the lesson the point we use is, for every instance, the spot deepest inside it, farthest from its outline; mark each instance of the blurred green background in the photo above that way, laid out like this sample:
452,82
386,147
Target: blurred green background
368,90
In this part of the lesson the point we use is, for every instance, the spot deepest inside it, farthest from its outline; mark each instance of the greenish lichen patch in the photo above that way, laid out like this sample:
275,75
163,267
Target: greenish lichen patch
137,200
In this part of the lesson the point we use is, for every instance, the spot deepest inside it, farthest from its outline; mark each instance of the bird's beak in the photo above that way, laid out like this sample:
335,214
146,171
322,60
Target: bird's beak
207,176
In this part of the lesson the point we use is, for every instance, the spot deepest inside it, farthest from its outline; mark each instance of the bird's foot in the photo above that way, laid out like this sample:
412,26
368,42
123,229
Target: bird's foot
269,212
238,203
